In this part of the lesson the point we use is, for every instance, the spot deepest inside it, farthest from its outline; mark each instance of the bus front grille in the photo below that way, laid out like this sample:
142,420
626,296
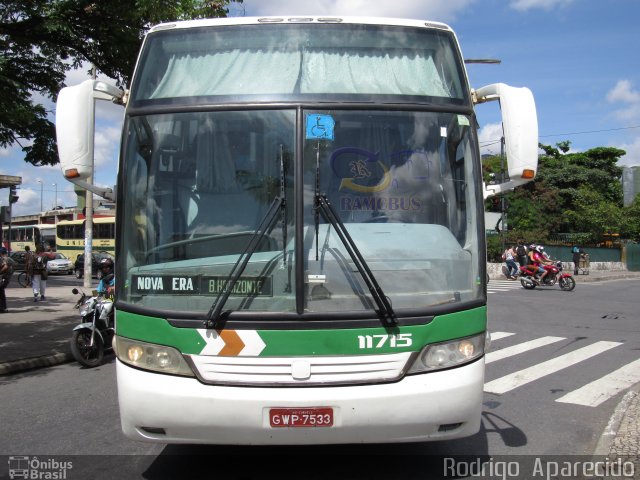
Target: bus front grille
291,371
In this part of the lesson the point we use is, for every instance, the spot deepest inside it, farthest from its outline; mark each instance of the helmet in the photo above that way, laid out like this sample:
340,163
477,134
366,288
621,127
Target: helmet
106,262
540,248
532,246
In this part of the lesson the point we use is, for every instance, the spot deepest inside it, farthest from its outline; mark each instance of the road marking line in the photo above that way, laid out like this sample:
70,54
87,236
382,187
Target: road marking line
520,348
522,377
601,390
499,335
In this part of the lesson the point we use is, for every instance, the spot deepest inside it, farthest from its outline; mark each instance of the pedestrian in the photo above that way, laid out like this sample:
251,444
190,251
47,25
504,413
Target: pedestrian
39,275
28,263
576,251
521,254
509,257
6,270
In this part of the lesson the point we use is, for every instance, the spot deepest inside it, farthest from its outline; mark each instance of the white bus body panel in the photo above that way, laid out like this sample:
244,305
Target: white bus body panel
411,410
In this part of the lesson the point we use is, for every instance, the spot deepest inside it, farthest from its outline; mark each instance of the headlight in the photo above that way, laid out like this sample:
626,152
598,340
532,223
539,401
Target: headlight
449,354
149,356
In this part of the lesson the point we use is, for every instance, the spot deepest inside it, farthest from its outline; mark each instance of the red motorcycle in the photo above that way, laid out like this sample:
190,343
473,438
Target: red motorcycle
564,280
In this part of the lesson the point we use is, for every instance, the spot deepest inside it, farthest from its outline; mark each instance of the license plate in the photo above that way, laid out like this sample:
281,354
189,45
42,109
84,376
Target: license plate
301,417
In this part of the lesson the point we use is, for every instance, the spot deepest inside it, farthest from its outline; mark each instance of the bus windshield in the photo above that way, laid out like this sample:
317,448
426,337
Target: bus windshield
283,62
199,184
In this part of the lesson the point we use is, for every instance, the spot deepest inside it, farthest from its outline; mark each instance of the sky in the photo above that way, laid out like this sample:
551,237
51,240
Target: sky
580,58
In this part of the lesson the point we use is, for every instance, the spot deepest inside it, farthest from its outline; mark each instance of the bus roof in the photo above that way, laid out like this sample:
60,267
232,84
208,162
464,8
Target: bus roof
95,220
32,225
293,19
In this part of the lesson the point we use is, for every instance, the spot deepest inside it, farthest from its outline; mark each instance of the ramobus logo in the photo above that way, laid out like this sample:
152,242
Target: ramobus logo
21,466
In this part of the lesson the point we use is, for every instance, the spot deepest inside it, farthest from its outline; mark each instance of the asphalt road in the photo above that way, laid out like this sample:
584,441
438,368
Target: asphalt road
70,411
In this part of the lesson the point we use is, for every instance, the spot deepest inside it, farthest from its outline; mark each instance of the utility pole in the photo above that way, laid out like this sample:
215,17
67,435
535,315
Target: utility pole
503,213
88,219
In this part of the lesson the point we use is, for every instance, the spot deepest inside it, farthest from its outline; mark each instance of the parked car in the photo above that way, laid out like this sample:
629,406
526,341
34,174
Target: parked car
18,261
95,262
58,263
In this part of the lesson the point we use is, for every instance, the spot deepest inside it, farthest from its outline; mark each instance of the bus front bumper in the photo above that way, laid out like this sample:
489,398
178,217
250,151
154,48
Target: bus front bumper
170,409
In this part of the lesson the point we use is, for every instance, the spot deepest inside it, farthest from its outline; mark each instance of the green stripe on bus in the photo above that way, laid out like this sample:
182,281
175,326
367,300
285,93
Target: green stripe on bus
157,330
372,340
315,342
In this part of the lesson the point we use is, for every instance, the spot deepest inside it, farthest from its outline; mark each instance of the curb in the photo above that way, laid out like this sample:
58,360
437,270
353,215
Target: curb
604,448
33,363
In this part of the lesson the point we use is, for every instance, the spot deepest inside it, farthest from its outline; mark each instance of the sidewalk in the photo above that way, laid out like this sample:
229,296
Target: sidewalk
36,335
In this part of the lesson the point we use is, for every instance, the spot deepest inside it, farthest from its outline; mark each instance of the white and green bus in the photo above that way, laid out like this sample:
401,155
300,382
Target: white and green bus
302,255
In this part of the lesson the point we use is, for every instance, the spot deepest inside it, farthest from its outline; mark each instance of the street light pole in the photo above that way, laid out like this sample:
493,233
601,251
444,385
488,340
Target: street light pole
55,212
41,184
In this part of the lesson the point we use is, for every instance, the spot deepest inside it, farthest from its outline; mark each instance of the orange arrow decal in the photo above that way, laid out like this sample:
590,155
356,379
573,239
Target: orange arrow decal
233,344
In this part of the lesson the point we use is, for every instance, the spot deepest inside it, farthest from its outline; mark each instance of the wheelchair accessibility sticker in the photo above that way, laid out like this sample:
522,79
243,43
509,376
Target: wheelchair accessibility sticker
320,127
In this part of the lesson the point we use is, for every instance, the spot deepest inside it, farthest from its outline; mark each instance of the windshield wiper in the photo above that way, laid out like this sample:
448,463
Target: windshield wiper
279,204
266,224
385,310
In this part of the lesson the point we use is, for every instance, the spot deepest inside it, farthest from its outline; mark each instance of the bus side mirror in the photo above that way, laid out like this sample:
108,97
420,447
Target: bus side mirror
75,130
520,127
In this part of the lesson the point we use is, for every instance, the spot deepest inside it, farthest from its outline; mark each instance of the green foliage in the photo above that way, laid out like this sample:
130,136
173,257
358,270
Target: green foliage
572,193
494,249
631,224
40,40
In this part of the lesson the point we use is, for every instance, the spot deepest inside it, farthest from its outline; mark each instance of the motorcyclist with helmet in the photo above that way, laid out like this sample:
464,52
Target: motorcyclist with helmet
106,289
108,280
538,260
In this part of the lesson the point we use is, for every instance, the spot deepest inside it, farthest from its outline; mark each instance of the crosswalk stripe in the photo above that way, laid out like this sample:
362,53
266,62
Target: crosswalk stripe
599,391
499,335
522,377
521,348
503,286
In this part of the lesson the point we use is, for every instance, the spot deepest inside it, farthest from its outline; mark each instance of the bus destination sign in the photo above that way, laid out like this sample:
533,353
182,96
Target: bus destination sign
199,285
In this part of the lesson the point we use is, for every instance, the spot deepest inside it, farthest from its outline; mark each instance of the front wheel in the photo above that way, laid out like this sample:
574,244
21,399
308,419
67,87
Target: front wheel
24,280
567,283
81,349
527,285
79,273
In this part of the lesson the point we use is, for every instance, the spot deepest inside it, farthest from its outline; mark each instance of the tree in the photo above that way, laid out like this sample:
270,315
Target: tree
572,193
41,40
631,225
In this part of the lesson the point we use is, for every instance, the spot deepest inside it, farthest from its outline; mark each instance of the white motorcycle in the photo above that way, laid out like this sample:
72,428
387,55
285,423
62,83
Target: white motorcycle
94,334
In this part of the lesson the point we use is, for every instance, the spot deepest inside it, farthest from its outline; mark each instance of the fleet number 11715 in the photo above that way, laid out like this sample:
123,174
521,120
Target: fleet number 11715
385,339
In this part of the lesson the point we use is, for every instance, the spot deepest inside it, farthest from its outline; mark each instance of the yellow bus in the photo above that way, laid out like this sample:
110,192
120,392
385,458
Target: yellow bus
70,236
29,235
